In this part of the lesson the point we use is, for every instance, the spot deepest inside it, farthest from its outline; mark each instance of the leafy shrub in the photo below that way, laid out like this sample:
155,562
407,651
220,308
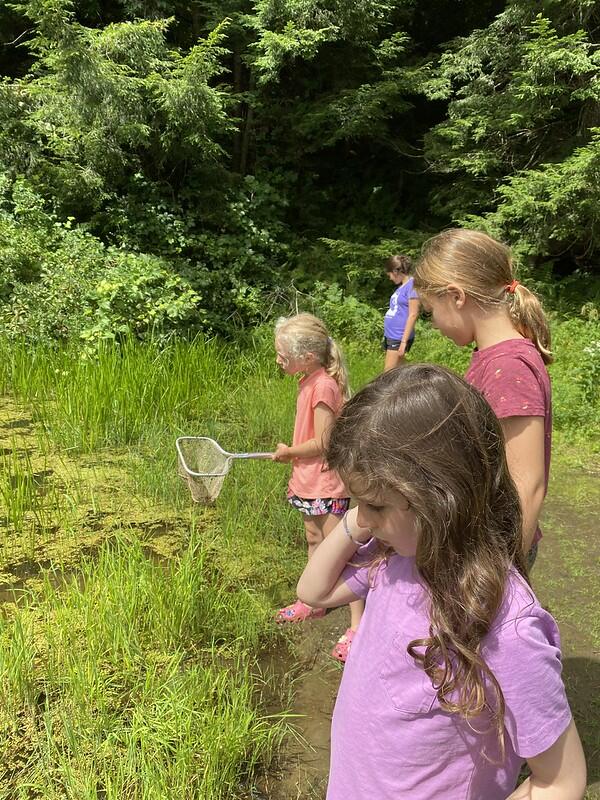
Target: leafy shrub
576,375
348,318
59,283
138,292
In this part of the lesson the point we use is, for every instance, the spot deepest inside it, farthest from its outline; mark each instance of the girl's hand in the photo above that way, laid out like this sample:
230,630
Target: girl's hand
282,453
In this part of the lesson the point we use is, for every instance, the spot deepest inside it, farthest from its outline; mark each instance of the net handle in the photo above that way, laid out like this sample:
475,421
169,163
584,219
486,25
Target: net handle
250,455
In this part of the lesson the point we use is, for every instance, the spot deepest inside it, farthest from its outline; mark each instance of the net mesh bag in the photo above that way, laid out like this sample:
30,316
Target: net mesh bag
198,455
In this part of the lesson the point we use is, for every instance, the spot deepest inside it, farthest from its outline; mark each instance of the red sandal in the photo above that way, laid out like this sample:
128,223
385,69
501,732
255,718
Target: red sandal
298,612
342,646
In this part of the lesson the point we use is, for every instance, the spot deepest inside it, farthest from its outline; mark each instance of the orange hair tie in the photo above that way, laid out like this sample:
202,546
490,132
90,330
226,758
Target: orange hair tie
510,287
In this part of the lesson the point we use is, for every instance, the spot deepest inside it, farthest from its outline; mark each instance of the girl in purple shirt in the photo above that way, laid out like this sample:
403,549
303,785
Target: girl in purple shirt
454,677
465,279
401,317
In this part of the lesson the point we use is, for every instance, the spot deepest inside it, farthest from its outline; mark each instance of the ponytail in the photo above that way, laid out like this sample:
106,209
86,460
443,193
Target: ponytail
529,319
336,367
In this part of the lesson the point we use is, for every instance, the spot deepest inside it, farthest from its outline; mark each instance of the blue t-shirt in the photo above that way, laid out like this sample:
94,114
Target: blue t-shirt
395,317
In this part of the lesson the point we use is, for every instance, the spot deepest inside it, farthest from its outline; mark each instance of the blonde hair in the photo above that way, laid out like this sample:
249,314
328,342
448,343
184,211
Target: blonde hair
483,268
305,333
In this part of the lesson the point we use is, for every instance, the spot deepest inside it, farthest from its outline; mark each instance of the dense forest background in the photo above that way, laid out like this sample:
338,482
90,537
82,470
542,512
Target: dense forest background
184,165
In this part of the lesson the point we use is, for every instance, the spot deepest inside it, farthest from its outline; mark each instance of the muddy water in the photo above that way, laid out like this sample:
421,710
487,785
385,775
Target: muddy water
305,762
566,579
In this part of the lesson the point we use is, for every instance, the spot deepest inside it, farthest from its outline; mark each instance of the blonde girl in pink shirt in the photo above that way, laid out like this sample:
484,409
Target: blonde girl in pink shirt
304,347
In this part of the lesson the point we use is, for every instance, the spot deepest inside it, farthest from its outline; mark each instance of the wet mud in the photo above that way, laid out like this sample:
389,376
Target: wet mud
304,763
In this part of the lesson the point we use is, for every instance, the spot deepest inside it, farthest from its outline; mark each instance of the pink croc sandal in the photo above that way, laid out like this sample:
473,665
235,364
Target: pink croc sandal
298,612
342,646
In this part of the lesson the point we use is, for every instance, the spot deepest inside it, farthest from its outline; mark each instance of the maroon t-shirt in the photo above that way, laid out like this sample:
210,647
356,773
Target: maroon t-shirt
514,380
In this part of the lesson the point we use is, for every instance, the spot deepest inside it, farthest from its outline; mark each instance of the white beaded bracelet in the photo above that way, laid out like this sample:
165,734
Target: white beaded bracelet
347,530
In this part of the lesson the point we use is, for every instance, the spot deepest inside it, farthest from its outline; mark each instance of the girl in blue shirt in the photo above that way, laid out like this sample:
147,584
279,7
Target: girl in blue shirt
400,318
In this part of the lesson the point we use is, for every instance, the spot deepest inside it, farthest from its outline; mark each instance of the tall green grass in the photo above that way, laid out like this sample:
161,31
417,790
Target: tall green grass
140,679
124,394
120,686
134,393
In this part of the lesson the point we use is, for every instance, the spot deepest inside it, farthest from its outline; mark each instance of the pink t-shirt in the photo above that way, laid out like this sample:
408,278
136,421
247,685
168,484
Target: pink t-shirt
514,380
309,477
391,739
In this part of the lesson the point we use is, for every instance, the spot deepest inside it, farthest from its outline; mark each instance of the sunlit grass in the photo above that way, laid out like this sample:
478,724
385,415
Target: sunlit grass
138,677
120,686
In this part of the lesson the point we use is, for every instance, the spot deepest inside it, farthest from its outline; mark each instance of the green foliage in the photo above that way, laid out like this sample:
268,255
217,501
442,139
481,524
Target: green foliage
589,378
347,318
523,103
295,29
137,293
226,149
288,44
574,374
64,283
104,101
554,207
363,264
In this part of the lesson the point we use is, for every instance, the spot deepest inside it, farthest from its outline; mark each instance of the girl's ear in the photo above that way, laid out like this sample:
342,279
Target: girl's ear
457,295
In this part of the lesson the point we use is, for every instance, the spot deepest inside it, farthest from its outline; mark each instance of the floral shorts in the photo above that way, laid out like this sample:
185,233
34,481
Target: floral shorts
317,507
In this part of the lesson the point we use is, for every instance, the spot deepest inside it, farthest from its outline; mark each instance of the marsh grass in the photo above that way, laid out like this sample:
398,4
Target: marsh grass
140,677
118,686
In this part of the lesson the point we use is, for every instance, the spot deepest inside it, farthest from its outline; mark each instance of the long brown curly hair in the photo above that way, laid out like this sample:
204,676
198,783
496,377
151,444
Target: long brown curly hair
423,431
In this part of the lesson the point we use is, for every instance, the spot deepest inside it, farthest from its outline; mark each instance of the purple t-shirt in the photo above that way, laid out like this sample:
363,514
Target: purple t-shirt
395,318
391,739
514,380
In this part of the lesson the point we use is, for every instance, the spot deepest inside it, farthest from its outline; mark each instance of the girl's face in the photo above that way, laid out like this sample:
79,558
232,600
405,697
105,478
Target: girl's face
289,363
396,276
450,316
391,520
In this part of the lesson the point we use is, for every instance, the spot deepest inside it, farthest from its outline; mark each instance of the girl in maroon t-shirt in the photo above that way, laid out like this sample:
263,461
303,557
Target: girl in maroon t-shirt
465,279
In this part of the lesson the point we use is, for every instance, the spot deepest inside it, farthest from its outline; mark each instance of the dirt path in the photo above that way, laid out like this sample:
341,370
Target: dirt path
565,578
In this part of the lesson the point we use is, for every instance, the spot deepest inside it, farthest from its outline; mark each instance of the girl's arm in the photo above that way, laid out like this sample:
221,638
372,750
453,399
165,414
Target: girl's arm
557,774
414,306
323,421
320,584
525,456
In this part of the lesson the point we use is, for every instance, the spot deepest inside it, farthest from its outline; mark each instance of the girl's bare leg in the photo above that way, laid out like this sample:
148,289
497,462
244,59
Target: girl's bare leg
358,606
314,528
392,359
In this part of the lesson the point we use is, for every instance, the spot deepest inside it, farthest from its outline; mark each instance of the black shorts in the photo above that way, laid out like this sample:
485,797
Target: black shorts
394,344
